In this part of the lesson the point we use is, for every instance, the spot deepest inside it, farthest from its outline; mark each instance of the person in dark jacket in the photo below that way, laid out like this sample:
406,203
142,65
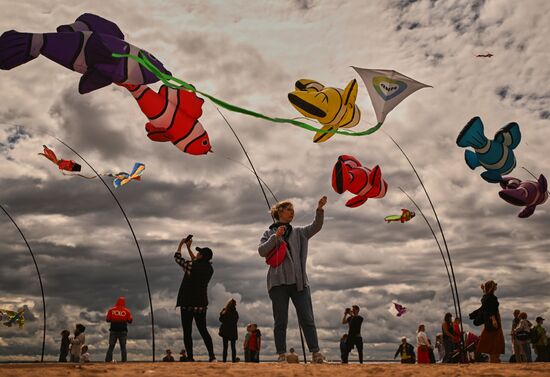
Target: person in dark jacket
491,340
447,330
119,316
344,353
228,329
65,344
406,351
193,295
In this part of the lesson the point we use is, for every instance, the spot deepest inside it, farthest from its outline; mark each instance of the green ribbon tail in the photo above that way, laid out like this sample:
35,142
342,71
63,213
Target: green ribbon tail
176,83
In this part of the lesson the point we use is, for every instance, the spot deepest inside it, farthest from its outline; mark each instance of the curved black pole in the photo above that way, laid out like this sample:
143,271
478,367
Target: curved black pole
135,239
252,171
442,234
39,279
438,245
268,206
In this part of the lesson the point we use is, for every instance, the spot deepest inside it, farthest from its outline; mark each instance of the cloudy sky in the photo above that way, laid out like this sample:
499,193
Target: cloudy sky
250,54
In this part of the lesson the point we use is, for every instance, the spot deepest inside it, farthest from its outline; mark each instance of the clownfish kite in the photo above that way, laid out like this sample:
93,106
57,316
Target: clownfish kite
406,215
528,194
122,178
349,175
63,165
173,116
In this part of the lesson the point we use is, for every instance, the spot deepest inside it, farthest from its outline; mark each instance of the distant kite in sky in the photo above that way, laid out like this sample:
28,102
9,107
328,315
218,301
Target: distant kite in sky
349,175
67,165
122,178
173,116
332,107
14,317
496,156
406,215
488,55
85,47
398,309
387,88
529,194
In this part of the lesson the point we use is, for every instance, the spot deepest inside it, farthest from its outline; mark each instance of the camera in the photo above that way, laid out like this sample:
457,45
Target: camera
189,236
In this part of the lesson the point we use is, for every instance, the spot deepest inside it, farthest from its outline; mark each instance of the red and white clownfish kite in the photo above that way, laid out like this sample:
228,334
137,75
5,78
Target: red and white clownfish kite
173,116
349,175
63,165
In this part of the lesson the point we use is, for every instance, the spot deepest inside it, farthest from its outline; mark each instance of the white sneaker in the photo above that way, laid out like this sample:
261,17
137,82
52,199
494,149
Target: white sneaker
282,358
318,358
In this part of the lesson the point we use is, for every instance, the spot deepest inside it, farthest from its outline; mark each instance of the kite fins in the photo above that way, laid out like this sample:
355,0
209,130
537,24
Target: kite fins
375,176
157,133
308,85
340,176
471,159
92,80
509,135
321,137
91,22
356,201
472,134
491,176
18,48
527,211
543,184
350,93
351,118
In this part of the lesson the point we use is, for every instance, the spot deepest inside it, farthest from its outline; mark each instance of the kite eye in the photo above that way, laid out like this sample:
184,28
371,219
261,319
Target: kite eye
205,142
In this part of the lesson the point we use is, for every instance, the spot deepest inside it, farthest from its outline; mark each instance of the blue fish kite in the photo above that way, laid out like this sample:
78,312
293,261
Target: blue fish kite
497,155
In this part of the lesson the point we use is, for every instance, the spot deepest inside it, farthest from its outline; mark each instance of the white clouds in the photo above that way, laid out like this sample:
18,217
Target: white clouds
250,54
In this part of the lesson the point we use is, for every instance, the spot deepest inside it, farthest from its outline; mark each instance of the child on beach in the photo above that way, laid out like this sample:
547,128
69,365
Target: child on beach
76,343
65,344
85,356
252,344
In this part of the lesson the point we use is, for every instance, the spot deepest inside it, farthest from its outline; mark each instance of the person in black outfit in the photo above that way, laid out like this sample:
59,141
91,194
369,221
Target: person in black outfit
448,335
228,329
65,344
193,295
354,320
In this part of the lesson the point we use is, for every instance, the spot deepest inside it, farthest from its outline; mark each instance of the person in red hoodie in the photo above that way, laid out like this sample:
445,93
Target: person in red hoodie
119,316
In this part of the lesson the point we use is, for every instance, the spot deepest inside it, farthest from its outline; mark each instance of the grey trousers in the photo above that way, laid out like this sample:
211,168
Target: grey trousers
113,336
280,296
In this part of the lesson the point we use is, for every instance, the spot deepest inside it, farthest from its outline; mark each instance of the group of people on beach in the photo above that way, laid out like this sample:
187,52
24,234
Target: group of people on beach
285,249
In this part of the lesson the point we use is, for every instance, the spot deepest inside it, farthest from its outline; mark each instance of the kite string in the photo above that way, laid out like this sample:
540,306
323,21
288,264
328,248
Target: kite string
532,175
169,80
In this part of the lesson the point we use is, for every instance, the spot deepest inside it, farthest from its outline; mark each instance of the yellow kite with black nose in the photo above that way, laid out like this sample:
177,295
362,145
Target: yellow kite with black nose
332,107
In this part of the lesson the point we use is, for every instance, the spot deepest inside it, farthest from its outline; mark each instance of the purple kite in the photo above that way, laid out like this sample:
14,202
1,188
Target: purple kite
400,309
85,47
527,193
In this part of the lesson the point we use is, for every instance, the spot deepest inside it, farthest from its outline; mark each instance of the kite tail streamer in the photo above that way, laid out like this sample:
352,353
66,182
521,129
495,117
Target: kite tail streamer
268,207
135,239
39,279
176,83
438,245
532,175
442,235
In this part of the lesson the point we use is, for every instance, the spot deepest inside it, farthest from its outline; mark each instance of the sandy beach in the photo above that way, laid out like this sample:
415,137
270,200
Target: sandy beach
272,369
